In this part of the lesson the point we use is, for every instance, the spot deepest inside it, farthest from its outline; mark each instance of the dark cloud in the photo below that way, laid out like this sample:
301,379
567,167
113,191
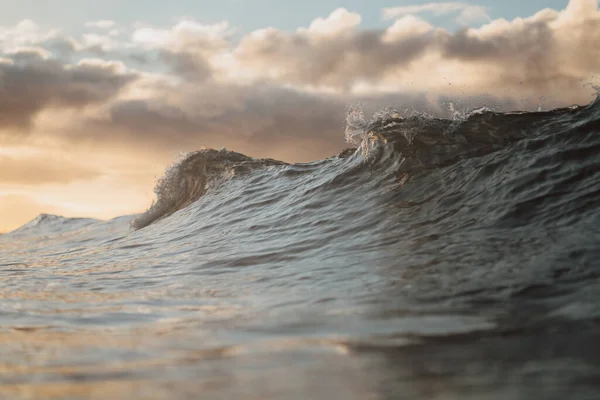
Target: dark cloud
258,119
62,46
530,48
140,57
190,66
32,83
261,120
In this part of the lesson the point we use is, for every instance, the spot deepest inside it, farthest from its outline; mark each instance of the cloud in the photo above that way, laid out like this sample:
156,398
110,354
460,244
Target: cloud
336,60
526,57
186,34
339,22
103,42
25,33
467,13
101,24
260,119
189,66
272,92
31,82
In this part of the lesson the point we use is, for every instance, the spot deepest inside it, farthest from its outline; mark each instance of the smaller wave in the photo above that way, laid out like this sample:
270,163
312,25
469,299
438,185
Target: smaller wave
188,178
44,219
48,222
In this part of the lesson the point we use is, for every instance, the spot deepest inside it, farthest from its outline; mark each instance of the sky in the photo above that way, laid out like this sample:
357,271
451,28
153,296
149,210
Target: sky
98,98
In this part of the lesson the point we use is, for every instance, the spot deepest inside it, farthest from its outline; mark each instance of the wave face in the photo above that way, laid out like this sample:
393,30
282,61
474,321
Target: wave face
438,259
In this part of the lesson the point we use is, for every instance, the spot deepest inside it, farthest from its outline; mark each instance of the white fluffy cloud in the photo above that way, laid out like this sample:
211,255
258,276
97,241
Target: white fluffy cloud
185,34
465,13
339,22
101,24
25,33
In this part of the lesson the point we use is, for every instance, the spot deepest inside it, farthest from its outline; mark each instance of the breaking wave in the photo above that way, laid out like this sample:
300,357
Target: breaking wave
420,142
189,178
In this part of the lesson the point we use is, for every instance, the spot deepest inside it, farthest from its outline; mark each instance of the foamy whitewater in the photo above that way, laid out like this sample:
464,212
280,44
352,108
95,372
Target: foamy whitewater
439,259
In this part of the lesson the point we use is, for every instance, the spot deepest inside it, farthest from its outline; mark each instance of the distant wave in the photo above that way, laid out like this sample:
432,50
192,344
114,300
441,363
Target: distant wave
50,222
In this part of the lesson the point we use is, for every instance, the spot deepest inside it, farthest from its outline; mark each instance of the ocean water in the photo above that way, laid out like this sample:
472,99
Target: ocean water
438,259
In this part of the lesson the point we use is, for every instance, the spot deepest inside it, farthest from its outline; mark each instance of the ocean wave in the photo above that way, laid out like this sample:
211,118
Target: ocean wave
419,143
475,236
47,223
